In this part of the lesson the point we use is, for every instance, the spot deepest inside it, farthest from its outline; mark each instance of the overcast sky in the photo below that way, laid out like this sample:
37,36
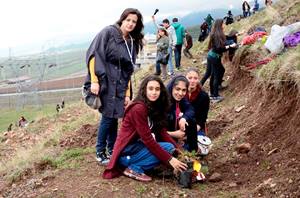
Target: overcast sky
24,22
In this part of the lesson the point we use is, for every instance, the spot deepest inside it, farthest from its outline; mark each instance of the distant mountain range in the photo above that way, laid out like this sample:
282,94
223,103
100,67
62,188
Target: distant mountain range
77,42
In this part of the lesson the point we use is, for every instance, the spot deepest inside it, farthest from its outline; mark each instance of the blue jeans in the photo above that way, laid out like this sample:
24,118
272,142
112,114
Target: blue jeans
107,134
170,64
144,159
177,53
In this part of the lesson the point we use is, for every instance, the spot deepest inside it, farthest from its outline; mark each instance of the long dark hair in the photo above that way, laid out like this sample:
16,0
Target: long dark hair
137,32
157,110
175,81
217,37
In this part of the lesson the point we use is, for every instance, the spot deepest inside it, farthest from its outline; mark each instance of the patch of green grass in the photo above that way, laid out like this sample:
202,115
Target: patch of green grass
30,113
202,187
69,158
141,189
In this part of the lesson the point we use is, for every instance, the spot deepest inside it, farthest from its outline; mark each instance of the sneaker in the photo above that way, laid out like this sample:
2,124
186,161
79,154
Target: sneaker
138,176
216,99
157,73
102,158
109,154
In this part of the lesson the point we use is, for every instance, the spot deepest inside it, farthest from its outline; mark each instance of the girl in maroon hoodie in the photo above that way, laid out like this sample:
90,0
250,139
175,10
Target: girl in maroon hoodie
142,142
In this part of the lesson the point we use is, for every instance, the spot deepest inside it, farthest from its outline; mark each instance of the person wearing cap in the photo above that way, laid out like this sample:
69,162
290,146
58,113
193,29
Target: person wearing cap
172,43
179,29
111,61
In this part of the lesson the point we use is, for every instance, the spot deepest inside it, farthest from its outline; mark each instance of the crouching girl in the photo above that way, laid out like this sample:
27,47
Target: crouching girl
142,142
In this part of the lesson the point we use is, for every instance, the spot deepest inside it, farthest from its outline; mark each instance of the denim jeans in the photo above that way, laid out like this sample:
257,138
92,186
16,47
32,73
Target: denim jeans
144,160
170,63
177,53
157,68
107,134
207,73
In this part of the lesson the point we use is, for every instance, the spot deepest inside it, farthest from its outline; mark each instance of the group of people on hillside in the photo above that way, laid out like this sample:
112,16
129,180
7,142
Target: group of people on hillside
171,37
161,120
158,120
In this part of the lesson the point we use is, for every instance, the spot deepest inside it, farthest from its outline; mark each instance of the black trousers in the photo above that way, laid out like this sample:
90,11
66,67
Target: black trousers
217,73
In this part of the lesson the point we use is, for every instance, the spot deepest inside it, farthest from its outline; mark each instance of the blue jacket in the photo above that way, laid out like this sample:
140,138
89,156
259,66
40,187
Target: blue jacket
113,68
185,107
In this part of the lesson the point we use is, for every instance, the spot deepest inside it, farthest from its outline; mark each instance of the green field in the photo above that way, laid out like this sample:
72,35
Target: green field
30,113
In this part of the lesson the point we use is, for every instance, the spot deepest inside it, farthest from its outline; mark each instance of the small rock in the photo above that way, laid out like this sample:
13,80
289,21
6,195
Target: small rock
194,61
243,148
215,177
290,181
238,109
233,184
272,185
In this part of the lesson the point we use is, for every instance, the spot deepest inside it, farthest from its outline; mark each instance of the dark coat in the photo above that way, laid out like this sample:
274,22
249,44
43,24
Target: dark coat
200,101
113,68
184,105
135,126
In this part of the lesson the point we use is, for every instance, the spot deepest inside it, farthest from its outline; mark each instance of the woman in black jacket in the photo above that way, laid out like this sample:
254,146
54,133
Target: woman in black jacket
215,68
181,116
199,99
111,59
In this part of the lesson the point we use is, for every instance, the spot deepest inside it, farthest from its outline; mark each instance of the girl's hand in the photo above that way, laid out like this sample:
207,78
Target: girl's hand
95,88
177,165
182,123
179,134
127,102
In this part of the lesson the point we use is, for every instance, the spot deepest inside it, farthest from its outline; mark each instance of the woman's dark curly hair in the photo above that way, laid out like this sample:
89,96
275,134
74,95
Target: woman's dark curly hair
157,110
137,32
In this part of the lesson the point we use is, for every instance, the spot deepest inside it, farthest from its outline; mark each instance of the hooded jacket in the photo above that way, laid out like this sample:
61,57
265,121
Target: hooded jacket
135,126
113,68
179,29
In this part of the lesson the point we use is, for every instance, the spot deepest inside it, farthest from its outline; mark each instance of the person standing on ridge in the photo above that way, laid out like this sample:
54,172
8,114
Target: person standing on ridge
215,68
179,29
209,20
111,61
188,43
172,43
246,9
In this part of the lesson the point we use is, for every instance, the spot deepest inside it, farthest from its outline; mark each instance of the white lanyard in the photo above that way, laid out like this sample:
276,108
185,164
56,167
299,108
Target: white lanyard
130,52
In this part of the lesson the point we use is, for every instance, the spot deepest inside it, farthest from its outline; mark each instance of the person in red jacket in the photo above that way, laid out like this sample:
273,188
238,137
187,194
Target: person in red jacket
142,142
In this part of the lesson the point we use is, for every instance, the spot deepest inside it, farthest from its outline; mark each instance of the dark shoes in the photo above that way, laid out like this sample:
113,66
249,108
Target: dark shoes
157,73
138,176
102,158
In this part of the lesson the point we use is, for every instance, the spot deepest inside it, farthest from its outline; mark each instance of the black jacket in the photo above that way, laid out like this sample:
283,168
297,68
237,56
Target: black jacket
113,68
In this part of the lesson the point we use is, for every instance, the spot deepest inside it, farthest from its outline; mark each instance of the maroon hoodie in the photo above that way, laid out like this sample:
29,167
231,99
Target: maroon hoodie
135,126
